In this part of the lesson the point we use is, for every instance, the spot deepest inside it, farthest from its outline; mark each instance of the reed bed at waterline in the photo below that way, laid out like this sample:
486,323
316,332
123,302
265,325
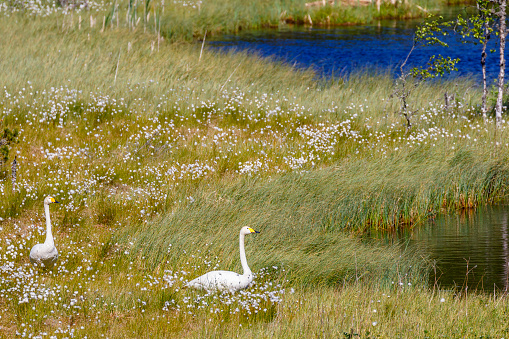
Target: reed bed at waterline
158,153
184,20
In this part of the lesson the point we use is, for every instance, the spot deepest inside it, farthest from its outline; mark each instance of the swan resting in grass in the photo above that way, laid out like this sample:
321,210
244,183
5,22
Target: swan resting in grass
227,280
45,253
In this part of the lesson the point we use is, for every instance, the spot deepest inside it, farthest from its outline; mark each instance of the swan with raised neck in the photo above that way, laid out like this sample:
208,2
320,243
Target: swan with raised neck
227,280
45,254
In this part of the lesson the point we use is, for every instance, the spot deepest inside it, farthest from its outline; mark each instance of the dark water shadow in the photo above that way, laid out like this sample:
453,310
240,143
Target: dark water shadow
470,248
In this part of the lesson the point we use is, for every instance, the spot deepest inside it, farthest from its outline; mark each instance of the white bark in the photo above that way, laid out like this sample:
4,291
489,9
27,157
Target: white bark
503,34
486,32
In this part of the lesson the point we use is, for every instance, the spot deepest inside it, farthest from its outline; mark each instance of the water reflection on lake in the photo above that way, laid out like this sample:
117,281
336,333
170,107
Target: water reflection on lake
476,242
341,50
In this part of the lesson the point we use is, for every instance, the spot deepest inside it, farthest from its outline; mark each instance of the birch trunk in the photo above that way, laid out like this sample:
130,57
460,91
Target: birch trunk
484,107
503,33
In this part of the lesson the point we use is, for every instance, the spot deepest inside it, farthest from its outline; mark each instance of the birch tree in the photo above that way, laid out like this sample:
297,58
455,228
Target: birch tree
480,27
429,33
501,14
490,19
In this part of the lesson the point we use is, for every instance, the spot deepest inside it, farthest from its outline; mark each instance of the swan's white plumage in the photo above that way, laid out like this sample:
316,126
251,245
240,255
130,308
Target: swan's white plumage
45,253
227,280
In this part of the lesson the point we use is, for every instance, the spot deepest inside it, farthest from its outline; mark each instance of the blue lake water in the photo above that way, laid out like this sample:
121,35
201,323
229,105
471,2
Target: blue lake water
342,50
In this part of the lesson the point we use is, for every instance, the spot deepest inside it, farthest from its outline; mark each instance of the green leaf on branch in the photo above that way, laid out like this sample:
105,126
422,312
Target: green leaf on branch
436,67
430,32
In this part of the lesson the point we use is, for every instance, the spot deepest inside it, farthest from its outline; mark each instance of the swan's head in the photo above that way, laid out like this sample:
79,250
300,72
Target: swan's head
49,200
247,230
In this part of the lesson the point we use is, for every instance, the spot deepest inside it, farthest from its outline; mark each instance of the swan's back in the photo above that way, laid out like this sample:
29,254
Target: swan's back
221,280
43,254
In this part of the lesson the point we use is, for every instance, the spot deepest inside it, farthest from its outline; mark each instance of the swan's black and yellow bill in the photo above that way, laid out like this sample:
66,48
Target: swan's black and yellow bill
252,230
53,200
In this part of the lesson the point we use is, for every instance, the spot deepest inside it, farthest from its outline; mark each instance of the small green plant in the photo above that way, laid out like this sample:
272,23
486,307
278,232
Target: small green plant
8,137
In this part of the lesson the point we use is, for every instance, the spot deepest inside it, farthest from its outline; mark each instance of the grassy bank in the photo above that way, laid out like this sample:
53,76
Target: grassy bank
159,154
186,20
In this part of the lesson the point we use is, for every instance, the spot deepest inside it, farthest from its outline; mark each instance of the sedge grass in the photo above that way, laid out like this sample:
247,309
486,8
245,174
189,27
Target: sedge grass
58,58
185,20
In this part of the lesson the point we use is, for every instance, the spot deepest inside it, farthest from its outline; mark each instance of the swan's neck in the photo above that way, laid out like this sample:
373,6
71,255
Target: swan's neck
243,259
49,235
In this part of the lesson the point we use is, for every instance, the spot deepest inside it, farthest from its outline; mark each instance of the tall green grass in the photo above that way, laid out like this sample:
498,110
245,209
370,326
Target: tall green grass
113,61
191,19
302,216
220,17
300,219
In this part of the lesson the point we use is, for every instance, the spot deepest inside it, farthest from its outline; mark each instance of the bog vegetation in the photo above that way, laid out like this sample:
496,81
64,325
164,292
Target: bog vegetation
159,152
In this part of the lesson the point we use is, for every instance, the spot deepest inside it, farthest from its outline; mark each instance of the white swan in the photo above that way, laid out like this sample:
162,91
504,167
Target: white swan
46,253
227,280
